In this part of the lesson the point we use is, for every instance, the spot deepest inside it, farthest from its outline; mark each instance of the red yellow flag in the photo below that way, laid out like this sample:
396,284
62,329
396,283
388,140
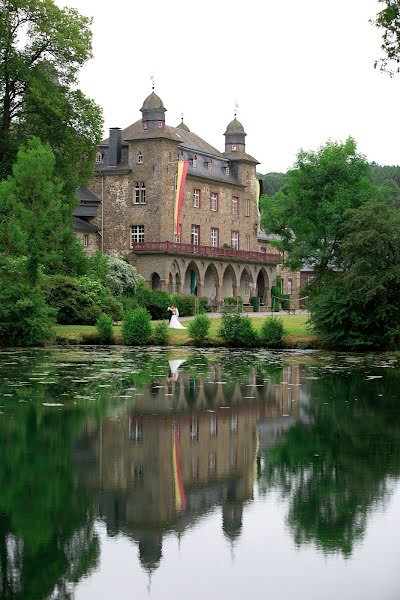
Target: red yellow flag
180,188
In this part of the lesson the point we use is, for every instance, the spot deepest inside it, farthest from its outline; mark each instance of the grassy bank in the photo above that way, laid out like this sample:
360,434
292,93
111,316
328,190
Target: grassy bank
297,333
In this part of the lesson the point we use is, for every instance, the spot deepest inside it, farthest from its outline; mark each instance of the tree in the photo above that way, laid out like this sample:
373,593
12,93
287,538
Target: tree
308,213
32,219
388,19
358,307
42,48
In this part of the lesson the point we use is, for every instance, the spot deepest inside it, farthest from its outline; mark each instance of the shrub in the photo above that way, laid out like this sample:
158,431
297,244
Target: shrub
25,319
234,302
285,301
156,302
88,314
161,334
64,294
112,307
185,303
198,329
272,332
136,327
104,326
238,331
255,303
204,305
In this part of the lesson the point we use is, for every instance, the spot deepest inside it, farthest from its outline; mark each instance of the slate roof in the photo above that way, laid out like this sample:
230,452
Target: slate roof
240,156
81,225
153,102
235,128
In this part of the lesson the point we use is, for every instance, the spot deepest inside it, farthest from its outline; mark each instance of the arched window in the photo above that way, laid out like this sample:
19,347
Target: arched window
139,158
99,157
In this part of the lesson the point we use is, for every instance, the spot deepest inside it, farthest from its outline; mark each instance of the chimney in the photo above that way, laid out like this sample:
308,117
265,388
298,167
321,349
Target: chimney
114,147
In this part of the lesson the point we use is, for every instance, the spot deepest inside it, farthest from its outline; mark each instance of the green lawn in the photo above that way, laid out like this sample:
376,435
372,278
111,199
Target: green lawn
295,326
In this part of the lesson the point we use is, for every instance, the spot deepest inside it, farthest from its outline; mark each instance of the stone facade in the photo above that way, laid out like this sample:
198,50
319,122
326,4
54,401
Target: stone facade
217,252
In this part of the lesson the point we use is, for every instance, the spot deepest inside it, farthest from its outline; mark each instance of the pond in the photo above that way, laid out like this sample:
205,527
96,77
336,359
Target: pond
151,473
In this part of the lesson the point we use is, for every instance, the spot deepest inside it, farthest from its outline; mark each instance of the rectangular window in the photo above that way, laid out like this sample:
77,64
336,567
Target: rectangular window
235,205
214,237
85,240
137,234
195,235
214,201
235,240
196,198
247,207
226,170
289,286
209,165
247,242
140,192
178,237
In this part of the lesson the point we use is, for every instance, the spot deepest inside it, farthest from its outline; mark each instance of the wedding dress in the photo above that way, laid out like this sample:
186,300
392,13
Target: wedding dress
174,323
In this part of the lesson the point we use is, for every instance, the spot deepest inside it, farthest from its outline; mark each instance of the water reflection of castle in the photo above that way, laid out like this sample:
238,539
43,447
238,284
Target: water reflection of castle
188,445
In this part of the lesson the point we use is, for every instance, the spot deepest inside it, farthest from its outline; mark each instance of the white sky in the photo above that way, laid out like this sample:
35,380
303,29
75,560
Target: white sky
301,71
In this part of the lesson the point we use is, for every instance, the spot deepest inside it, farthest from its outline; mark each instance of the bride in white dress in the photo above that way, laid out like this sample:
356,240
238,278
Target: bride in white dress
174,322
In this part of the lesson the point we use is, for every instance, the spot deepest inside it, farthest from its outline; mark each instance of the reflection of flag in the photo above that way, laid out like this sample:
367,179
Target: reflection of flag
180,188
180,498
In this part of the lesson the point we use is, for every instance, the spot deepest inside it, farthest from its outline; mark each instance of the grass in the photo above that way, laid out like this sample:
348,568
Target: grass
297,332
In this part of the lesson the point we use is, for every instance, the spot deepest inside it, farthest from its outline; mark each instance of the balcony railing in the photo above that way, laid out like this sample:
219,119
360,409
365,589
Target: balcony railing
175,248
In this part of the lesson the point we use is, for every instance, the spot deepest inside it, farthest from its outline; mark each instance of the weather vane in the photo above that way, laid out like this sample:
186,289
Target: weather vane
152,81
236,107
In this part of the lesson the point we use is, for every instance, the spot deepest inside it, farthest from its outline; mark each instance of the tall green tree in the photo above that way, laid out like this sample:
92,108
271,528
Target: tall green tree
388,20
42,48
308,213
32,213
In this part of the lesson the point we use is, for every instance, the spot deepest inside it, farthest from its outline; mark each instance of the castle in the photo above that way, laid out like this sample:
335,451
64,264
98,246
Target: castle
210,244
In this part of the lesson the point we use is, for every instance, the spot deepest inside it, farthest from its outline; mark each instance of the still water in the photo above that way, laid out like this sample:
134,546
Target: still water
188,475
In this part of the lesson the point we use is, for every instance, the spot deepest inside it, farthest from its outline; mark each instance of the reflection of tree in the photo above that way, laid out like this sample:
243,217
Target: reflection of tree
335,469
47,541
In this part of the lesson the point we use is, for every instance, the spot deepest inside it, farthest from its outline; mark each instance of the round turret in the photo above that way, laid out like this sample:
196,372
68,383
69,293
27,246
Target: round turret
153,112
235,137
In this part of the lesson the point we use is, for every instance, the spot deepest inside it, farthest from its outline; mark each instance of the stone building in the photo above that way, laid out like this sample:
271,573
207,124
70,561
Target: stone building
215,251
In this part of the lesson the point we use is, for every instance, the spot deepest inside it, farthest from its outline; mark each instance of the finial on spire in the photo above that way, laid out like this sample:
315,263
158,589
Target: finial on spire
182,117
236,107
152,81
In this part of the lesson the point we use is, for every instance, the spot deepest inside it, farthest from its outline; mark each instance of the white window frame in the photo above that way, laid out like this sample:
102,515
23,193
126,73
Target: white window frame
235,239
214,201
99,157
195,235
235,205
234,147
136,234
214,237
139,158
140,193
85,240
196,198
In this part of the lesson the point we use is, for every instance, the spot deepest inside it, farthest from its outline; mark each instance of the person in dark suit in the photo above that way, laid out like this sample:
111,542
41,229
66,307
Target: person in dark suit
170,313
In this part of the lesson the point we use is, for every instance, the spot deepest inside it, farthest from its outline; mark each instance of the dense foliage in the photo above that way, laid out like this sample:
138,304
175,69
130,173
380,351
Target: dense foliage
136,327
198,329
104,327
388,20
161,334
359,307
237,331
42,48
272,332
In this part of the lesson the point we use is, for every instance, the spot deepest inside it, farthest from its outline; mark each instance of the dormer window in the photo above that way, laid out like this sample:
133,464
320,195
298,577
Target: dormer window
234,147
99,157
145,126
226,170
139,158
194,161
159,124
209,165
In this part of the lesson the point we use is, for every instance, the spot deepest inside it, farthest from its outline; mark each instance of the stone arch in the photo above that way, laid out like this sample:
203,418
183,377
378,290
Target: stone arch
211,285
229,282
246,285
262,287
176,277
192,281
155,281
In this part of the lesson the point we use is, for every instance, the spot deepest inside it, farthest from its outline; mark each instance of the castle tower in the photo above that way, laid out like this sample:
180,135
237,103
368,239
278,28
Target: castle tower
153,112
234,137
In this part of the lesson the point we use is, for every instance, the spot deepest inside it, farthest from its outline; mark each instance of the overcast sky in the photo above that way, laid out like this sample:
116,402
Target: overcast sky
301,71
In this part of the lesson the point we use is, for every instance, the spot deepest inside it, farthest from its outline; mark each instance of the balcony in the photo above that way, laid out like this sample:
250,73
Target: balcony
188,249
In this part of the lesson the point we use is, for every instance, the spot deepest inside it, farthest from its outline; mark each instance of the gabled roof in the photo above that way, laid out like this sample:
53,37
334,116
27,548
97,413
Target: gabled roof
87,196
81,225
